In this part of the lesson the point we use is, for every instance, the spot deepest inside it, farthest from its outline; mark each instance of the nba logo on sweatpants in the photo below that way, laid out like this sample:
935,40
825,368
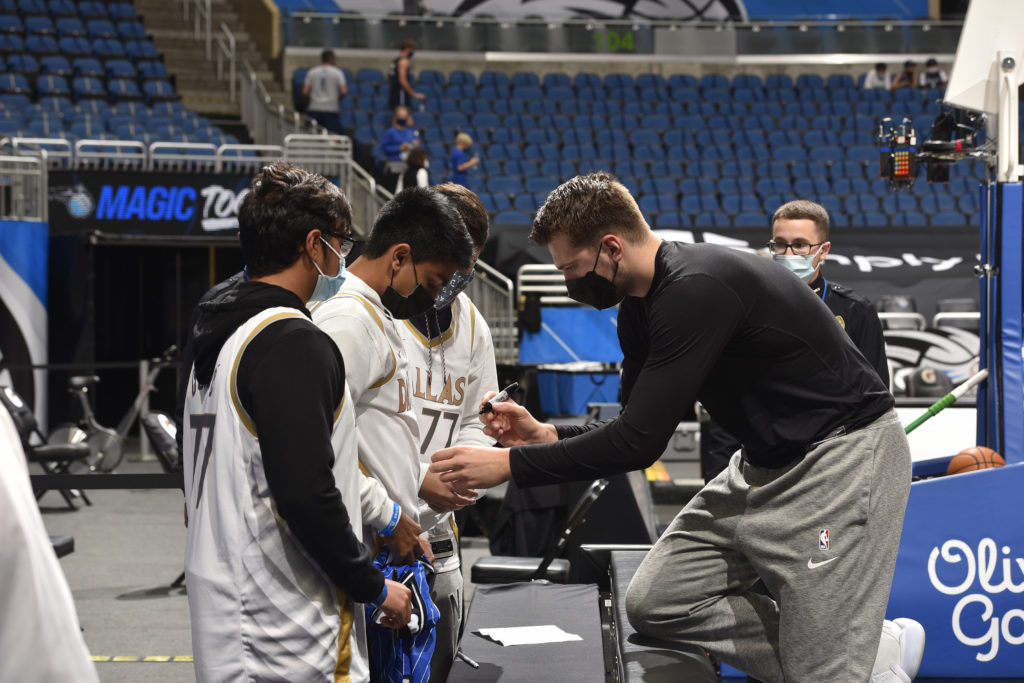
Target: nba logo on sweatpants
823,539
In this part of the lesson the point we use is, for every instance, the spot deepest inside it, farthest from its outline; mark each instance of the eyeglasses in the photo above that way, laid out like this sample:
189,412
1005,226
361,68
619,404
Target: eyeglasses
347,243
798,248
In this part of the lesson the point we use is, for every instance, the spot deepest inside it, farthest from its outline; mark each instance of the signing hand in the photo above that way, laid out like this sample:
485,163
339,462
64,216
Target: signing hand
442,497
397,605
405,541
512,425
471,466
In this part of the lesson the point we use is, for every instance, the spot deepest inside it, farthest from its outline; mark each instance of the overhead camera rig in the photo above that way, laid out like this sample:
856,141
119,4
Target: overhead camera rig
956,134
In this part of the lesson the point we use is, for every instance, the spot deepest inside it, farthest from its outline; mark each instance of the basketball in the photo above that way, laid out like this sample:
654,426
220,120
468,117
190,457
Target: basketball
974,458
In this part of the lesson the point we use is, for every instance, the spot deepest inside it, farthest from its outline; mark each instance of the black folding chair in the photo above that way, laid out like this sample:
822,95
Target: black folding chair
53,458
507,569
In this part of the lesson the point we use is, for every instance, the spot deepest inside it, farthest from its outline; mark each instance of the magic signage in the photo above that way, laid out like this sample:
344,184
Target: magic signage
165,204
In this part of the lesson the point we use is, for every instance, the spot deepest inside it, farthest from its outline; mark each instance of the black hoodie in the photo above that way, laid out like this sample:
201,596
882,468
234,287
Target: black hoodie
290,380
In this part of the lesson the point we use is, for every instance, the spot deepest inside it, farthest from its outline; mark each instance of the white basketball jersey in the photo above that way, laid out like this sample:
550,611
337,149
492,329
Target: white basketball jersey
377,372
449,375
39,635
261,608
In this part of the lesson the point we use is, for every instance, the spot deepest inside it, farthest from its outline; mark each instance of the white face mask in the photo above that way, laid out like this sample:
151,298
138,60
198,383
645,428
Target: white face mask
802,266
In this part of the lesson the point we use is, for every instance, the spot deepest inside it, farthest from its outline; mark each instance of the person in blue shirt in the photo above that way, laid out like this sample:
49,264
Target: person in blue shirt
459,161
400,137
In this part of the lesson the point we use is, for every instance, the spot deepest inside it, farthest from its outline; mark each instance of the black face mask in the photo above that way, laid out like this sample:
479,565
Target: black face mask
594,290
405,307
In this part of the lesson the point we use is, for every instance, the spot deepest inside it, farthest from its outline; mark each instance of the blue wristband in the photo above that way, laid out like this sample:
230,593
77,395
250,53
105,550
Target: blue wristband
380,598
396,513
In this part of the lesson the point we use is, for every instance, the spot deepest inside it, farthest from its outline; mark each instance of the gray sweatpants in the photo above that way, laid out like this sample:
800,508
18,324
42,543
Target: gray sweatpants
822,533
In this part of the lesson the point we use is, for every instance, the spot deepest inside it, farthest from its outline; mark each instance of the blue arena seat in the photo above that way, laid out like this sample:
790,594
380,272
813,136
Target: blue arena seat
861,203
123,11
157,91
47,128
512,217
777,81
827,153
672,219
108,48
120,68
130,30
750,219
11,44
949,219
100,28
557,80
847,169
738,169
898,202
911,219
561,169
92,9
13,83
812,187
734,204
42,45
541,184
40,25
968,204
24,64
699,203
870,219
52,85
495,79
712,219
55,65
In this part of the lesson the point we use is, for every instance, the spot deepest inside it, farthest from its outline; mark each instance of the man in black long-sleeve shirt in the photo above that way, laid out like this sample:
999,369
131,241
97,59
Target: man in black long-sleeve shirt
813,506
272,562
800,242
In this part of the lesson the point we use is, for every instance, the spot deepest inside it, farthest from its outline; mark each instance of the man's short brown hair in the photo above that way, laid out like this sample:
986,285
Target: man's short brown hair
804,209
408,44
586,208
468,204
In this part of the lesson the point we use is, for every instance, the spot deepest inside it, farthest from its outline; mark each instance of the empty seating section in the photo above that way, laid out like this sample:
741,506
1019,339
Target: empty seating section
87,70
708,151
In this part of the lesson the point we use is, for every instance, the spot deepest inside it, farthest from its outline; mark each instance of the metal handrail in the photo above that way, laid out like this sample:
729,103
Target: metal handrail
23,188
494,296
365,196
63,154
543,279
227,49
916,320
106,153
969,316
201,22
175,155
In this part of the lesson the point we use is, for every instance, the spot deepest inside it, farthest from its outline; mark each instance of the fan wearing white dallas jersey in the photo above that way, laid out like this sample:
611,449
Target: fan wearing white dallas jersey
417,243
451,360
272,563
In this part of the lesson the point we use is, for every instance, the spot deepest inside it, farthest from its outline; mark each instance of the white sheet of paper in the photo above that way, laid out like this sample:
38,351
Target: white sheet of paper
528,635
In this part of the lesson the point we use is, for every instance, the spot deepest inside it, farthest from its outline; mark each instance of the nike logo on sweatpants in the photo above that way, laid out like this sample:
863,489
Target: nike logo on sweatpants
811,564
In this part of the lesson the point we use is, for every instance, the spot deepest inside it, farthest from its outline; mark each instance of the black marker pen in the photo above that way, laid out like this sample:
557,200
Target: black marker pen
499,397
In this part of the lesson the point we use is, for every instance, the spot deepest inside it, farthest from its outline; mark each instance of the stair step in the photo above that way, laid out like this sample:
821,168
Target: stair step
195,75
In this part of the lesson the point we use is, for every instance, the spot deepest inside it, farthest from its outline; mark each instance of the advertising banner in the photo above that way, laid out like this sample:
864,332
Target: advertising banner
23,328
960,572
154,204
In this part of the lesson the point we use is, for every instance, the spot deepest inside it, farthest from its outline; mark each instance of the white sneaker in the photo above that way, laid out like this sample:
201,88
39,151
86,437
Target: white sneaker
900,650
